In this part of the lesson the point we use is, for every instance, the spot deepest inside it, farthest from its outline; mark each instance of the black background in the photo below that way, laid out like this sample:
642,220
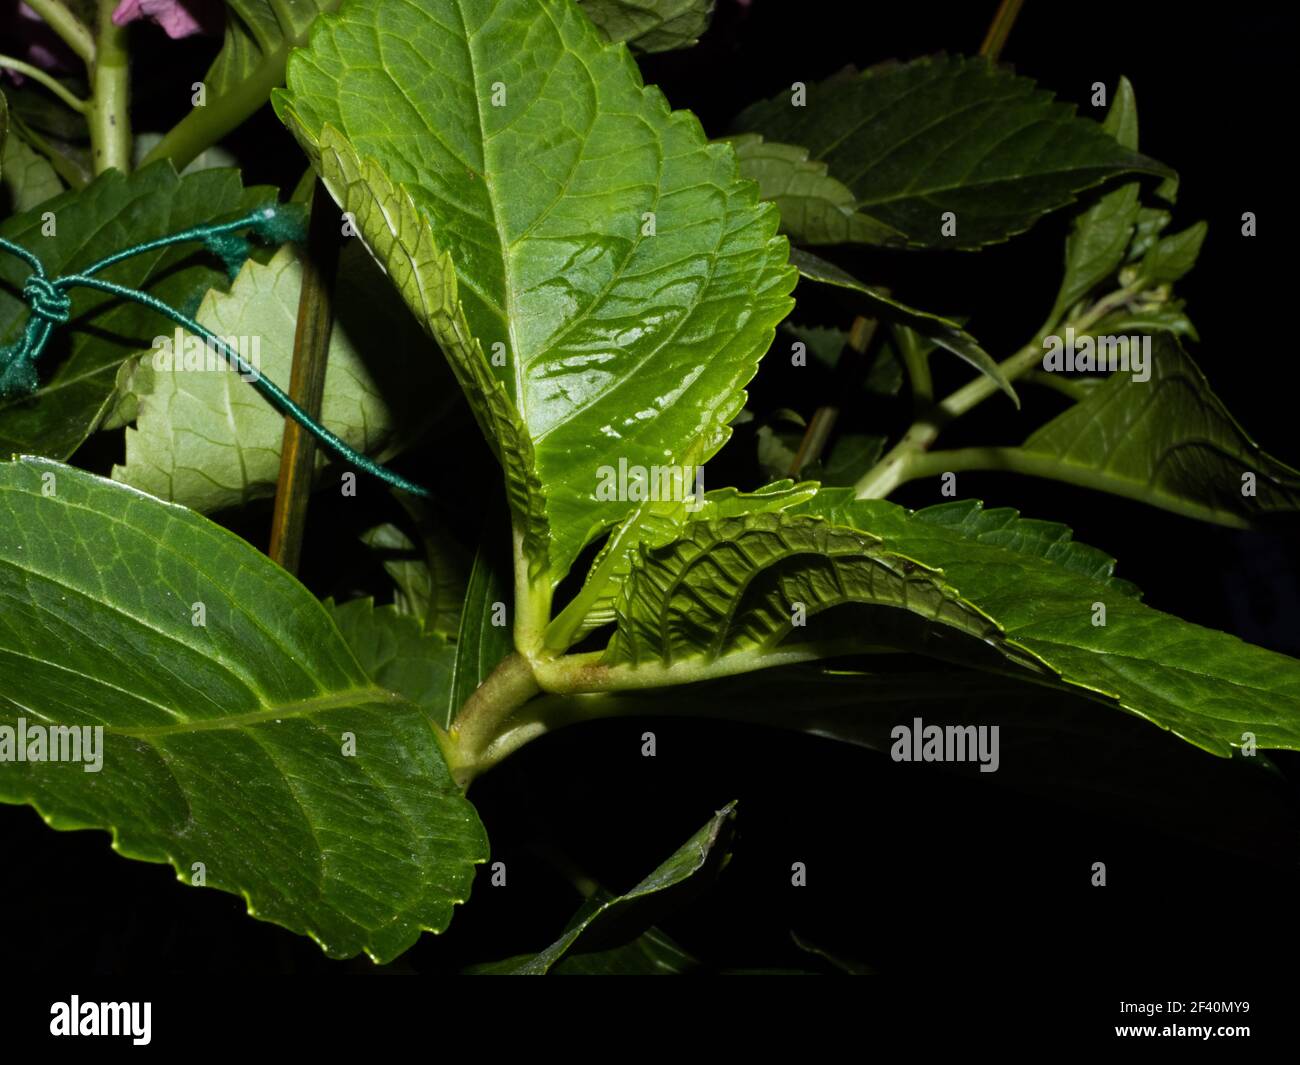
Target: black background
910,869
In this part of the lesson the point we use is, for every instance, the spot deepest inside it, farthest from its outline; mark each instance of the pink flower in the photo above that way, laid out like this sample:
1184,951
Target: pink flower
178,18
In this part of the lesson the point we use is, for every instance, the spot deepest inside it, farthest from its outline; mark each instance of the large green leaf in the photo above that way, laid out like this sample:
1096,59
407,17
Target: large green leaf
945,333
815,208
1205,686
226,733
606,922
599,276
917,140
1168,441
206,439
258,38
651,25
79,367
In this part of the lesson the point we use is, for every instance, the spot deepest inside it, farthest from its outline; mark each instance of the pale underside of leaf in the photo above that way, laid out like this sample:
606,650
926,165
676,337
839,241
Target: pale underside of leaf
615,277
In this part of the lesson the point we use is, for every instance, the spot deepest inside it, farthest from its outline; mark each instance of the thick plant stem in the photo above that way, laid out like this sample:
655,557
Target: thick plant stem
485,714
110,128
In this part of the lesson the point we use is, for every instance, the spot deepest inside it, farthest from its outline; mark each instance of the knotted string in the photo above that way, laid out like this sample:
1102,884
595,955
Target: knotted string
49,306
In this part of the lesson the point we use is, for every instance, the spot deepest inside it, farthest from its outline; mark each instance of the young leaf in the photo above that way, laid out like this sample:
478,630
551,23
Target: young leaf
815,208
736,588
112,213
607,920
917,141
1173,256
242,742
205,439
945,333
596,272
1100,235
1168,441
650,25
1205,686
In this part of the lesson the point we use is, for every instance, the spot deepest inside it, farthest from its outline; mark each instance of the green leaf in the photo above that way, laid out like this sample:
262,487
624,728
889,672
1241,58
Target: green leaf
736,588
651,953
258,39
108,215
206,439
1048,540
815,208
29,179
606,919
651,25
944,332
519,234
1169,442
227,696
917,140
1174,256
484,638
1100,235
431,583
655,524
1205,686
397,654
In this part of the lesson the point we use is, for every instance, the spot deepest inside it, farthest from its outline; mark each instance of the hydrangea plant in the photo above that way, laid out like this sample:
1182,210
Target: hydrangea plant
514,237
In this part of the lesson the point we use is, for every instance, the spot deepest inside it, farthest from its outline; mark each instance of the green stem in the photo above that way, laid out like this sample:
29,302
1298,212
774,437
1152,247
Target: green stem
75,102
110,124
1018,460
894,468
75,33
485,715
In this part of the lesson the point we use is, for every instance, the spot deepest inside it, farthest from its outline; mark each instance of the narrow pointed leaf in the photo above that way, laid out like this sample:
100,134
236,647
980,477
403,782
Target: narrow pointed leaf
944,332
607,920
485,634
1100,235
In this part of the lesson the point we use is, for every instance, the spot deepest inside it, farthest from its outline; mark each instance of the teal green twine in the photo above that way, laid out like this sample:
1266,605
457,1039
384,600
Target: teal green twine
49,306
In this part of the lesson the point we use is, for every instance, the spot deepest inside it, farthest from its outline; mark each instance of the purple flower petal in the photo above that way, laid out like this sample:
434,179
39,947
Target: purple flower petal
178,18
